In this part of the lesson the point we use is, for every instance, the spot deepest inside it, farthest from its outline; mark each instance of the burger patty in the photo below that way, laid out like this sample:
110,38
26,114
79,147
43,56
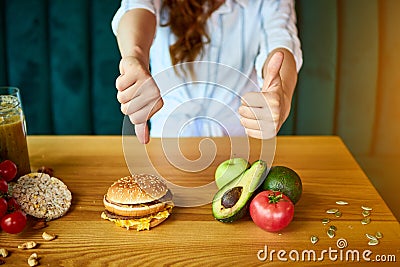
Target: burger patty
119,217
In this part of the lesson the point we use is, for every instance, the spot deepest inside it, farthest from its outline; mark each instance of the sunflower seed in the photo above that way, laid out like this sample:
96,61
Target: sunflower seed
341,202
332,227
314,239
325,221
370,236
338,214
366,213
366,208
331,233
332,211
378,235
366,220
373,242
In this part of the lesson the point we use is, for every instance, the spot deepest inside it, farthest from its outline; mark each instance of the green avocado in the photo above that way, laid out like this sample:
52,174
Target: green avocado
284,180
230,203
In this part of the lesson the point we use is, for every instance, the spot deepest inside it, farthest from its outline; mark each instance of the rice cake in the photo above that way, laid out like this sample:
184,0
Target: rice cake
42,196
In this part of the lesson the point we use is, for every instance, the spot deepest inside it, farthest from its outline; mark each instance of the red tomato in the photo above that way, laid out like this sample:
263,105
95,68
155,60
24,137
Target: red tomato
13,204
3,186
271,210
13,223
3,207
8,170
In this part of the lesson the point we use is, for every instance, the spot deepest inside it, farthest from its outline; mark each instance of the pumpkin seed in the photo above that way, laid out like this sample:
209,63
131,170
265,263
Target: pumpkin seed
379,235
331,233
370,236
332,211
366,213
314,239
366,220
338,214
325,221
366,208
373,242
341,202
333,228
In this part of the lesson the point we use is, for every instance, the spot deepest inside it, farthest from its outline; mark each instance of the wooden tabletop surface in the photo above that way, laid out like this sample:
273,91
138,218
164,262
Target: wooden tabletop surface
191,236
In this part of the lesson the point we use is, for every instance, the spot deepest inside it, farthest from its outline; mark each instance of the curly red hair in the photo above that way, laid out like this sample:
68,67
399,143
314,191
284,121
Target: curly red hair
187,20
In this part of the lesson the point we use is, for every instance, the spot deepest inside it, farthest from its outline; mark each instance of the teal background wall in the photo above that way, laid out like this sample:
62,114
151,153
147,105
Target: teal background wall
64,57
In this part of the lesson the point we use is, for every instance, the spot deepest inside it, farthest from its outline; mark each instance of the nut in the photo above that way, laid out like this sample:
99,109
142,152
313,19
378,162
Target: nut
46,170
39,224
33,256
27,245
48,237
3,252
33,260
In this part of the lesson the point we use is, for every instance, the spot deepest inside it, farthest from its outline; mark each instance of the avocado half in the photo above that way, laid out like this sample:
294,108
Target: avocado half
230,203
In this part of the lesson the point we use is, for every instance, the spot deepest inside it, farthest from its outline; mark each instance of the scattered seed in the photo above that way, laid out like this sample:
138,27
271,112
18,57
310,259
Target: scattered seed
370,236
366,213
33,260
333,228
34,255
338,214
332,211
341,202
3,252
28,245
331,233
48,237
378,235
366,208
314,239
325,221
366,220
373,242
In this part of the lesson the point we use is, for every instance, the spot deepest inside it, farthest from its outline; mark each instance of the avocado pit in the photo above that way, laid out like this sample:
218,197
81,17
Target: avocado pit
231,197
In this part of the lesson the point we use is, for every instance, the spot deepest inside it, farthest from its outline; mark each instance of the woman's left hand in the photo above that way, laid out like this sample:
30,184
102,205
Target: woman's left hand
263,113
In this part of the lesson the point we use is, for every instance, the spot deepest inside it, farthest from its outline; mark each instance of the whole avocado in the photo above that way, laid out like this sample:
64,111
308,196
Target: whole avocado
284,180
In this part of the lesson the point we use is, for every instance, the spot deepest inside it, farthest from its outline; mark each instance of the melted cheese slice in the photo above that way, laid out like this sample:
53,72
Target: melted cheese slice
139,224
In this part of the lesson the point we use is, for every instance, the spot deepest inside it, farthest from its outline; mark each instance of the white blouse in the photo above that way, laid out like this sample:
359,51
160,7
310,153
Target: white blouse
242,33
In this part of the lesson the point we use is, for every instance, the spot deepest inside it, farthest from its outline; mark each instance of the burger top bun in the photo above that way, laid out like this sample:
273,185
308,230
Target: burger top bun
137,189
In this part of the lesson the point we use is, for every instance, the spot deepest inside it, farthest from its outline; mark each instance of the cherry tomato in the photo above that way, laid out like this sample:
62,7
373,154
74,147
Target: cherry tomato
13,223
8,170
271,210
12,204
3,186
3,207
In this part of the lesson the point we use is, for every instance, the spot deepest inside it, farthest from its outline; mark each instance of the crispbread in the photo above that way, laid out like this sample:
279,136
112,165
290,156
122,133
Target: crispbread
42,196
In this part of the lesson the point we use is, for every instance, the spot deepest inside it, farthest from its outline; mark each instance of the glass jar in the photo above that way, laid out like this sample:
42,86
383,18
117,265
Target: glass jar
13,144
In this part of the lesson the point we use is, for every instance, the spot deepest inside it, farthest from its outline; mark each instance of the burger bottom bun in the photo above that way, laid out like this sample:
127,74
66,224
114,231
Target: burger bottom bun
133,210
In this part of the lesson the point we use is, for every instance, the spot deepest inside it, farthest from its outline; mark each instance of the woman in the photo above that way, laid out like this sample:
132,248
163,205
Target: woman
219,51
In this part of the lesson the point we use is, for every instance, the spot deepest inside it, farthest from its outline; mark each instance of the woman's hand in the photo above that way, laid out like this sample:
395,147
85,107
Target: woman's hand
263,113
138,94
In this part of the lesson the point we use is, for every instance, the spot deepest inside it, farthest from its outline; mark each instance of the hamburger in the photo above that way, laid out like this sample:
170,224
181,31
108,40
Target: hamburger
139,201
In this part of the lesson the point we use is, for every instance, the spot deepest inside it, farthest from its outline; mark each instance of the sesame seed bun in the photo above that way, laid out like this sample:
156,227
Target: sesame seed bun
137,196
137,189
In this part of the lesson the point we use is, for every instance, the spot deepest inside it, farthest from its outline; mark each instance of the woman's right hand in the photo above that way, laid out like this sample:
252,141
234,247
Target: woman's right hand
138,94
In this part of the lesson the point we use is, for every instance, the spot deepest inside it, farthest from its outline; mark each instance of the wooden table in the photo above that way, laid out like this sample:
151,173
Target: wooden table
191,236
